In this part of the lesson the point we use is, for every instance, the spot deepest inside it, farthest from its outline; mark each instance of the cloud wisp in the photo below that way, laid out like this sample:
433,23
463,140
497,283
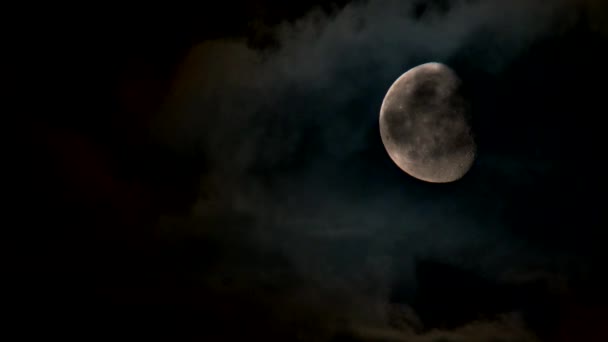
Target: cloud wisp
285,132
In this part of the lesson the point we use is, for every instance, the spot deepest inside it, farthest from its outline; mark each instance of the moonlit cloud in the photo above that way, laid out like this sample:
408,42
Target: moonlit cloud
283,129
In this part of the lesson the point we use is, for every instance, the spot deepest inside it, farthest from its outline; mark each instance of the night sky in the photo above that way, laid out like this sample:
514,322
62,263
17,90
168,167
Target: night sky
214,172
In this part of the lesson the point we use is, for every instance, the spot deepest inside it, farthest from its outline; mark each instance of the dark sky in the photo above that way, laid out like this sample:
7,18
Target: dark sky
216,173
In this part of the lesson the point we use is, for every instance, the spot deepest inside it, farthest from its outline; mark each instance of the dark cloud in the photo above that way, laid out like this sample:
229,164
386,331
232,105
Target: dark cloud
509,327
302,216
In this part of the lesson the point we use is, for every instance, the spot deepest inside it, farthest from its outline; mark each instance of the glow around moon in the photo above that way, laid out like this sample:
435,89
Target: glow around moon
424,124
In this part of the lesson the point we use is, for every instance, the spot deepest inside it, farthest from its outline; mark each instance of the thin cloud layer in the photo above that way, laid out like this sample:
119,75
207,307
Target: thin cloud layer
283,131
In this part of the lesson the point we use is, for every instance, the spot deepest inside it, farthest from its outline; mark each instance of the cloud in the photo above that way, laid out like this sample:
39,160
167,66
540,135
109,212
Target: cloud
252,105
295,120
508,328
286,133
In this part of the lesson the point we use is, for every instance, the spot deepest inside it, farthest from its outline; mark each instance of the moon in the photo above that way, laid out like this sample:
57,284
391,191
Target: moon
425,126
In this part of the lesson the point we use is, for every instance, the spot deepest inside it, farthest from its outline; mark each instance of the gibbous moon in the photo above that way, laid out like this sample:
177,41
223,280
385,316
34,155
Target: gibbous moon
424,124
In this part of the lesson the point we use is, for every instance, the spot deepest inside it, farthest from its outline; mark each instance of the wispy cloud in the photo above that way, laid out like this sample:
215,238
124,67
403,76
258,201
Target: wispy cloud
283,131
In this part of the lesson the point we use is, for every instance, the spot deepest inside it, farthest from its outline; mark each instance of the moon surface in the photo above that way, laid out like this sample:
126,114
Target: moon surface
424,124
